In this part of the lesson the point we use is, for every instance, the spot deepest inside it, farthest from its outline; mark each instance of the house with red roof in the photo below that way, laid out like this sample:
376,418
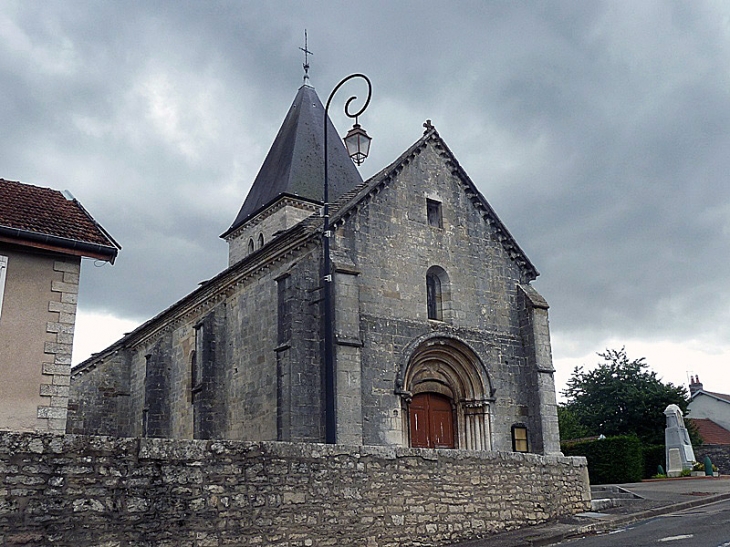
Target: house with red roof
711,432
708,405
709,411
44,234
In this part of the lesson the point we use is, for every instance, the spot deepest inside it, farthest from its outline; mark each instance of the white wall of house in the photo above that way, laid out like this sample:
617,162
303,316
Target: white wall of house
707,406
36,337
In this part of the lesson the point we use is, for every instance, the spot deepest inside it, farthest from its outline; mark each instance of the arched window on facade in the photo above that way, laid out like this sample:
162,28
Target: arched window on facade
250,245
437,292
261,240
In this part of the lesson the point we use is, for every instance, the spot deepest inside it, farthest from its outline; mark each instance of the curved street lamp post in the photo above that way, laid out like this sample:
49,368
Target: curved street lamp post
357,142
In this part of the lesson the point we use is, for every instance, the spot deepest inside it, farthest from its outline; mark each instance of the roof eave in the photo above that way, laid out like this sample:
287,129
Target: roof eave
271,203
716,396
58,244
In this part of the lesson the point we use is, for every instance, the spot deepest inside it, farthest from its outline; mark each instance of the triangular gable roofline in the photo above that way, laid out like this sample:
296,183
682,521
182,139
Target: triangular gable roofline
349,202
718,396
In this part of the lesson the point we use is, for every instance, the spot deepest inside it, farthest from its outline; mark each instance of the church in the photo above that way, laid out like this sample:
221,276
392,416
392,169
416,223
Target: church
439,338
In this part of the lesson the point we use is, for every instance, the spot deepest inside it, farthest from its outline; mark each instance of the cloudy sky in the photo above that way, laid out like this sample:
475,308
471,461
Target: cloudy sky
598,131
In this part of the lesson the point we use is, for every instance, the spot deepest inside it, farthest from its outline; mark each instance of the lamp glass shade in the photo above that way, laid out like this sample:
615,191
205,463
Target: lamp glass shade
357,142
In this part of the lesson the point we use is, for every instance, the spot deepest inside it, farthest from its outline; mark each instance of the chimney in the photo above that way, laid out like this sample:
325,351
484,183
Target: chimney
694,385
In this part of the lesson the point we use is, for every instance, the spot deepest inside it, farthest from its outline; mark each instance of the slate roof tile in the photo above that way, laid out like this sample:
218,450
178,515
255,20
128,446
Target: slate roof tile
295,163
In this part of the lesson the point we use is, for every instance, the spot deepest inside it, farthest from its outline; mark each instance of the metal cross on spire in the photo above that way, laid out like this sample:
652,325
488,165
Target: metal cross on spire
307,53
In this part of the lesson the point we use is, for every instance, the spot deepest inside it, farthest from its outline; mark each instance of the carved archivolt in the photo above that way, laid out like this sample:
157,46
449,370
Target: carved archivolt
449,367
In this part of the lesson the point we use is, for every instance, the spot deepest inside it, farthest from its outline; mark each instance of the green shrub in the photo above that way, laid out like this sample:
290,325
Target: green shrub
613,460
653,455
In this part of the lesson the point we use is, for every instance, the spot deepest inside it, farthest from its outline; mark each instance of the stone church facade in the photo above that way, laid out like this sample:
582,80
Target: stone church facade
440,339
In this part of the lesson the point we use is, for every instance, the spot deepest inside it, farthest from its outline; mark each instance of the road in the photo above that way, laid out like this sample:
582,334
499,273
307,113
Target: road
706,526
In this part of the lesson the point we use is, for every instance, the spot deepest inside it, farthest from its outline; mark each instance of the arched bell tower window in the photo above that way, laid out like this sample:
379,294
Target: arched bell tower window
250,245
261,240
437,292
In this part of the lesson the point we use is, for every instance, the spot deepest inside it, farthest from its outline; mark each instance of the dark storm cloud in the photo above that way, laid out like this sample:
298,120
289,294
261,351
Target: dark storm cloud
598,131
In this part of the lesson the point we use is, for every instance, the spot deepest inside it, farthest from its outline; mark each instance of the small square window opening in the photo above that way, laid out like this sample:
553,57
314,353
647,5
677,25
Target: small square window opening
433,211
519,438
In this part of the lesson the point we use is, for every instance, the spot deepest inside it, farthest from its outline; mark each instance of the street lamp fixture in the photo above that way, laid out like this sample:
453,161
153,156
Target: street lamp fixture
357,142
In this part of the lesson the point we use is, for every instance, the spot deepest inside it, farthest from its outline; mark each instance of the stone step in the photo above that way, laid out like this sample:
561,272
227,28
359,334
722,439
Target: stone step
612,491
605,496
602,504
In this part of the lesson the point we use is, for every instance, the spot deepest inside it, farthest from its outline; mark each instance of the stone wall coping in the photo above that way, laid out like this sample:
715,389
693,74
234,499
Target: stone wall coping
195,450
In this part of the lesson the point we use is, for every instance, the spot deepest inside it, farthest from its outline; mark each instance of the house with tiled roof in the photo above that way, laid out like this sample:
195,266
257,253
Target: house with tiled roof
44,234
709,411
708,404
711,432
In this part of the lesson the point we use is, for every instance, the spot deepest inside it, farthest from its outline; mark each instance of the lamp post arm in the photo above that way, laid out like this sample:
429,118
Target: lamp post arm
354,97
327,274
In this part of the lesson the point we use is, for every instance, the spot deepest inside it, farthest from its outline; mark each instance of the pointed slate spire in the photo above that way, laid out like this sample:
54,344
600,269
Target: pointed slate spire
294,165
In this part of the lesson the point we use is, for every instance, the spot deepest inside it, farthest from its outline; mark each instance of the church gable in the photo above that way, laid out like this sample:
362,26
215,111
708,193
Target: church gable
430,258
435,163
423,222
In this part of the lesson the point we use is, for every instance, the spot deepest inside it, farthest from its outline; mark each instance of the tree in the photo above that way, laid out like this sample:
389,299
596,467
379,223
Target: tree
621,397
570,427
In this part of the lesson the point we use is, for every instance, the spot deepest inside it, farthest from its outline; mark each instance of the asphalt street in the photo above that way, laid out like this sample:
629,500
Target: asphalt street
705,526
686,512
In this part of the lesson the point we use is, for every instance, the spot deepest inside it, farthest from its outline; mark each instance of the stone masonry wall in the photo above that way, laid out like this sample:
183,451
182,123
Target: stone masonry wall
81,491
719,455
57,367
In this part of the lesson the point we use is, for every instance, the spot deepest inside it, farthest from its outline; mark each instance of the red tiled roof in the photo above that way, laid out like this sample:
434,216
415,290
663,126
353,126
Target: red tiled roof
711,432
47,212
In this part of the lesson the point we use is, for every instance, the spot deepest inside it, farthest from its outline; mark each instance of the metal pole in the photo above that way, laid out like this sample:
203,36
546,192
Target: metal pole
328,275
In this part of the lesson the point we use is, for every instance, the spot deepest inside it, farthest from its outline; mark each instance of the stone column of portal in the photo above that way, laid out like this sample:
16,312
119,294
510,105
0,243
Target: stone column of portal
538,336
348,358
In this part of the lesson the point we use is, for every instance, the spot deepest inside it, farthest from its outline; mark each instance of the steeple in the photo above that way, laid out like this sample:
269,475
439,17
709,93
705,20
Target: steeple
294,166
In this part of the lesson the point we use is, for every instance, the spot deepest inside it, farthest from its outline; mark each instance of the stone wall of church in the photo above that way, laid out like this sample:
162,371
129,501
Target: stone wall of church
228,365
266,226
99,402
392,244
86,491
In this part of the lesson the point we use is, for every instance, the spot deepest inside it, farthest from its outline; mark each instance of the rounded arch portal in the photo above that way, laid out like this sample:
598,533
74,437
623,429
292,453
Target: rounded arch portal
446,368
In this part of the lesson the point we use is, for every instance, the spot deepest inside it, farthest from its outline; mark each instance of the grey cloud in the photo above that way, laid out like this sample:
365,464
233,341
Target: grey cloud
598,131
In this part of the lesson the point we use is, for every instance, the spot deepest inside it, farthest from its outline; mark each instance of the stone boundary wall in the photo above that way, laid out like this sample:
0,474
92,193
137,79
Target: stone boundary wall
719,455
102,491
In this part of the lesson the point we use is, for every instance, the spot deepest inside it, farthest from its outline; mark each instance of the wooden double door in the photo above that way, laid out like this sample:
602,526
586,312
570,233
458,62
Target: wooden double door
431,421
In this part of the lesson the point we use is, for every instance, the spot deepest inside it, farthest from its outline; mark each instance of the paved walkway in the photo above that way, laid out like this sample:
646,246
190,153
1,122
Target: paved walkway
659,497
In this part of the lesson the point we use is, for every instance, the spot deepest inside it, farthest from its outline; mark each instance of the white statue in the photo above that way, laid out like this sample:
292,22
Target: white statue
679,452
